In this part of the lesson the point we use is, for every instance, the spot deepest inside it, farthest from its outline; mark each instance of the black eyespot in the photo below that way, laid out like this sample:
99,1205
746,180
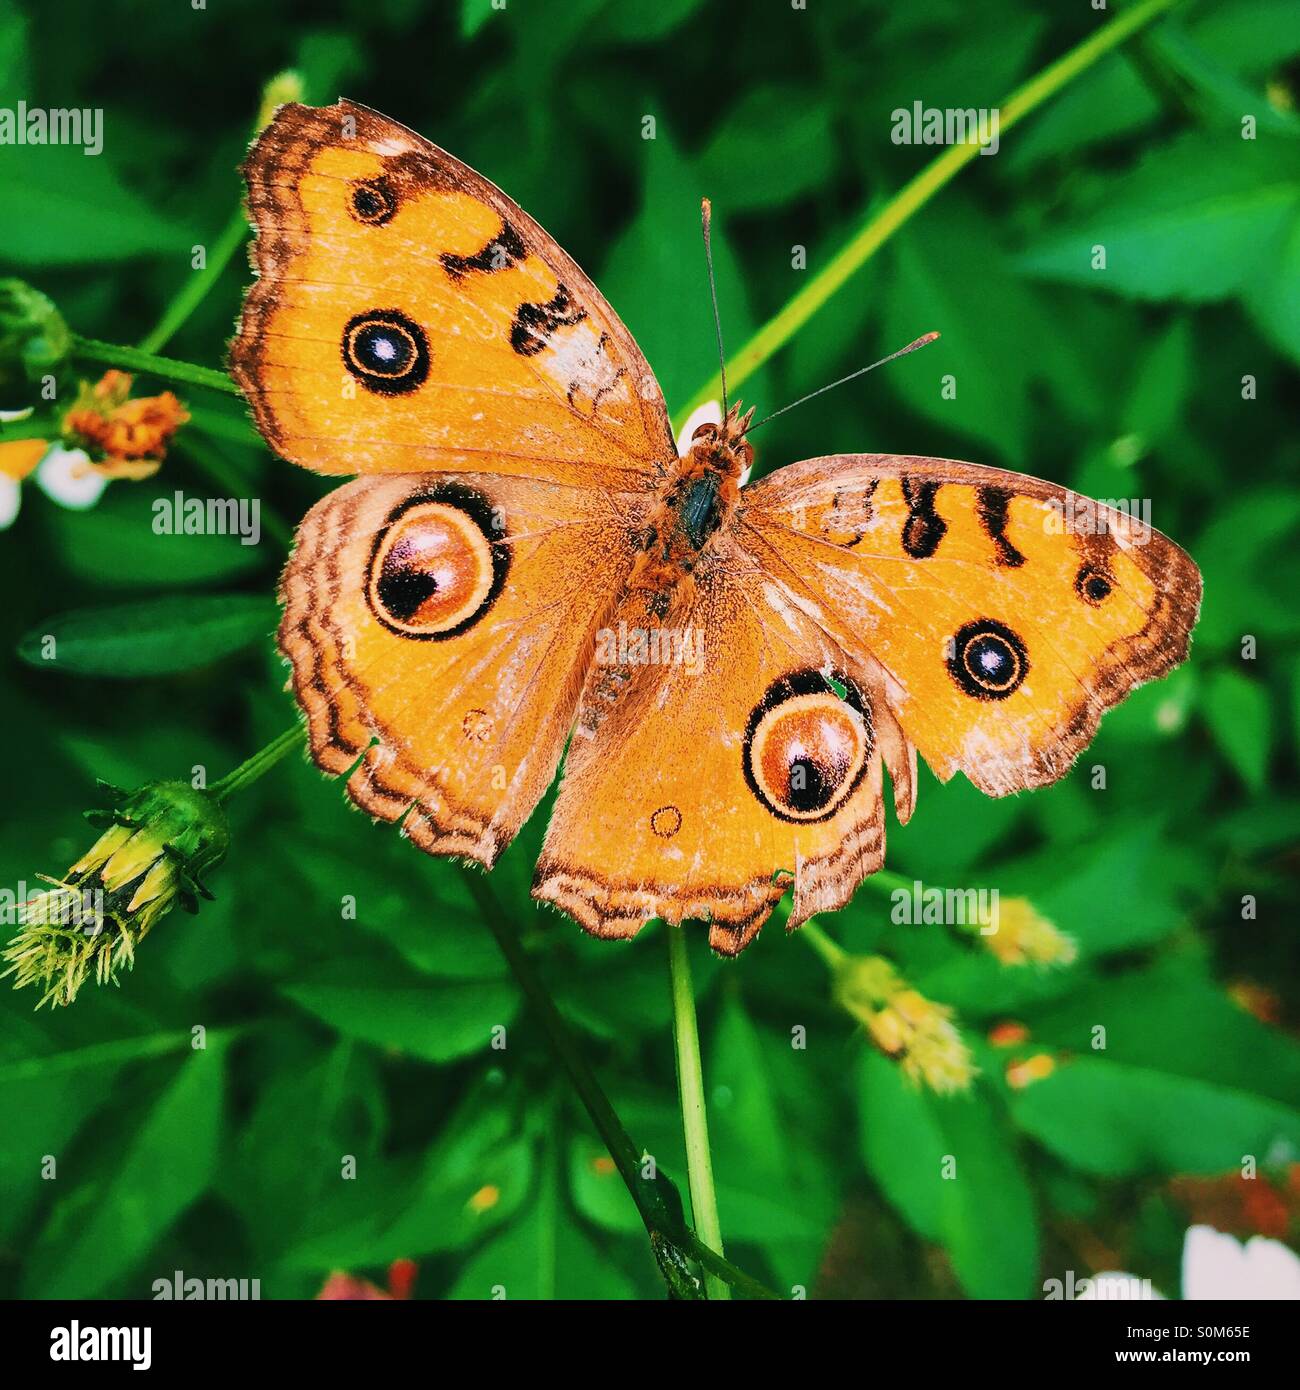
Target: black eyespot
1092,585
437,568
387,352
373,201
988,660
807,745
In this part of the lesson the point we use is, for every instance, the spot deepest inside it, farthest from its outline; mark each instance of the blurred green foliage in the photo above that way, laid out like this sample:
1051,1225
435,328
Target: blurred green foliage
330,1037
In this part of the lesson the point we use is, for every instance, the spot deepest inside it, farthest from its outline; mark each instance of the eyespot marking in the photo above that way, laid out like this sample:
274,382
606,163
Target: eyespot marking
1093,585
386,351
988,660
666,822
436,569
373,201
806,747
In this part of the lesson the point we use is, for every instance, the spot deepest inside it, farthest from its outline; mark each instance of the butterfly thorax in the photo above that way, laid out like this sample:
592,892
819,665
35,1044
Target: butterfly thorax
695,501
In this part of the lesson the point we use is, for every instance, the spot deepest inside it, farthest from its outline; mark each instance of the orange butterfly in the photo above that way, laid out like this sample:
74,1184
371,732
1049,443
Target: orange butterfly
526,557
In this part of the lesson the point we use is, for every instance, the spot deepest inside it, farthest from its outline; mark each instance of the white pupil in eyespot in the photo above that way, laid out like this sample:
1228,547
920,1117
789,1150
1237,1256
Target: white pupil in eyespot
991,660
384,349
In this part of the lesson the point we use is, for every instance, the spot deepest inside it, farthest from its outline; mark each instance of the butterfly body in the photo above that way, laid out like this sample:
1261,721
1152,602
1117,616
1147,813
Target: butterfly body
525,571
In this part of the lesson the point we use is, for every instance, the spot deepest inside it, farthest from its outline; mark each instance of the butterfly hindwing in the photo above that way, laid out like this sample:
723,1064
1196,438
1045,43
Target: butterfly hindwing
726,751
439,627
408,316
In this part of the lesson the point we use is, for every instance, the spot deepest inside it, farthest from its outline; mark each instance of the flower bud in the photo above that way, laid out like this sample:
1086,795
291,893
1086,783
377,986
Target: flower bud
157,844
1020,936
915,1032
34,340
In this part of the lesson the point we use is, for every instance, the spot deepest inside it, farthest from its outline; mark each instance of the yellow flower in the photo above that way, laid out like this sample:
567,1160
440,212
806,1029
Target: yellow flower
919,1034
157,843
1020,936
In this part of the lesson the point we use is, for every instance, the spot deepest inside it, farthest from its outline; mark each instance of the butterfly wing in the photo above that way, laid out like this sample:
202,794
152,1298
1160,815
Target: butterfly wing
408,316
1007,614
439,627
724,749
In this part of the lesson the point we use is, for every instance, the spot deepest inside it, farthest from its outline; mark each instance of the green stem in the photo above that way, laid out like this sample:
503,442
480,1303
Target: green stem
831,952
879,227
690,1088
131,359
262,761
196,288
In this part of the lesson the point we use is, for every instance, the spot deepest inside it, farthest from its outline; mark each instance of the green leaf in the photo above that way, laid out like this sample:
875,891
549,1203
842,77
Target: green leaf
655,277
474,1177
398,1009
114,545
645,23
1242,553
949,1165
167,1167
1237,711
154,638
1195,220
951,276
65,207
1114,1119
543,1254
774,147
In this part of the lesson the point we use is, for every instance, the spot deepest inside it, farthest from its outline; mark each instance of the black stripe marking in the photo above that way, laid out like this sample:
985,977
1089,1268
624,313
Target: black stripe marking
991,504
506,249
534,323
924,527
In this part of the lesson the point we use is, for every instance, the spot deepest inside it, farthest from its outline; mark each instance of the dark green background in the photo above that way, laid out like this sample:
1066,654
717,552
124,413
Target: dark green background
332,1037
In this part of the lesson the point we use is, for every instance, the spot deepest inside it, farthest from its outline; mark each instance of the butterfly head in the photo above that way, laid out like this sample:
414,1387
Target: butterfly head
723,448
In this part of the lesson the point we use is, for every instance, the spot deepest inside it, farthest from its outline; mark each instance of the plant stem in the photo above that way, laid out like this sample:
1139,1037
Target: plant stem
196,288
690,1089
880,226
831,952
261,761
131,359
657,1199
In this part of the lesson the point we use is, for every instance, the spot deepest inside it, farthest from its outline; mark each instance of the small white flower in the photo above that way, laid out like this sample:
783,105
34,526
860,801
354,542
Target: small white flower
68,476
1219,1266
11,497
710,413
1215,1266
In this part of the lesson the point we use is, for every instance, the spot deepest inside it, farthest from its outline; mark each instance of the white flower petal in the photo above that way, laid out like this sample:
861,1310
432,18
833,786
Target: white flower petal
1219,1266
11,498
710,413
67,476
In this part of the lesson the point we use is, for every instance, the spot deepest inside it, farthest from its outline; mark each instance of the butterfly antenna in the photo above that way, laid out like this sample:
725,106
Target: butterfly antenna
706,216
862,371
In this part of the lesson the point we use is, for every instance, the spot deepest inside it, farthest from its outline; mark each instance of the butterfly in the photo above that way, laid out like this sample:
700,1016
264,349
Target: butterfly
525,571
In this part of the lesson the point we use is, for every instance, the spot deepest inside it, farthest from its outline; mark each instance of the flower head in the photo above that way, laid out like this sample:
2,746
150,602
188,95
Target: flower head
157,844
919,1034
129,435
1018,935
